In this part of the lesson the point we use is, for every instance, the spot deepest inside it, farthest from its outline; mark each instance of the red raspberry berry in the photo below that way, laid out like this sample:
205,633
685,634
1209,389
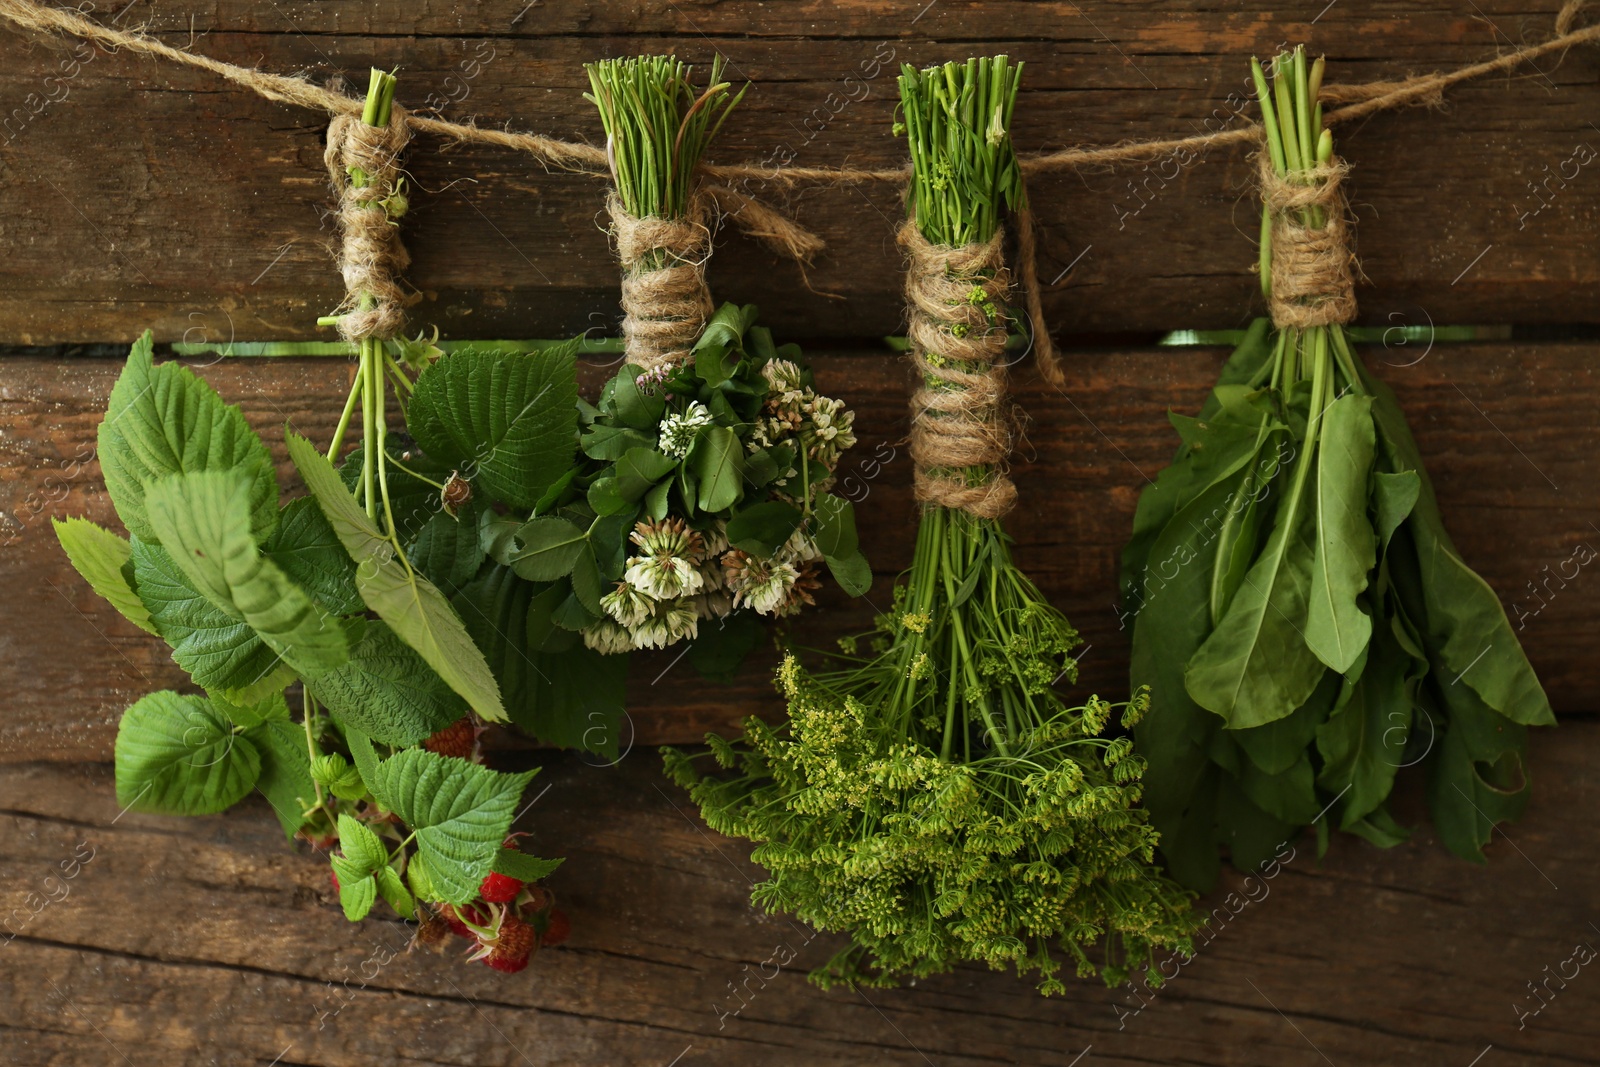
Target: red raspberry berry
452,917
459,739
558,928
513,947
337,888
510,965
499,888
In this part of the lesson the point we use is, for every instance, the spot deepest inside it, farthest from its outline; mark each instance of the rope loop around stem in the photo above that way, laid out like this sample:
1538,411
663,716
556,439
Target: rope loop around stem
371,255
961,431
665,299
1313,260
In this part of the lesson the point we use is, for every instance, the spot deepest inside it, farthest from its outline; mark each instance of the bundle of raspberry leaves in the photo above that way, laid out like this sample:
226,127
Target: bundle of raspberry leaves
254,596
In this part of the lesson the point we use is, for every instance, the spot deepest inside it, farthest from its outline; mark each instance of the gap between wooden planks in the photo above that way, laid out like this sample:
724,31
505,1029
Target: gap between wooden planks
210,941
1506,430
1483,211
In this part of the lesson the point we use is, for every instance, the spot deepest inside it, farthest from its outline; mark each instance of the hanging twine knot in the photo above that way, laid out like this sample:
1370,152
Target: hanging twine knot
1313,266
371,257
961,433
665,299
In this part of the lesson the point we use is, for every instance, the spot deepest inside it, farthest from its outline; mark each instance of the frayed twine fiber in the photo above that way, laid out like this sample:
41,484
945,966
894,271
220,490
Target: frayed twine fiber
958,416
665,299
781,234
1313,267
1359,102
371,257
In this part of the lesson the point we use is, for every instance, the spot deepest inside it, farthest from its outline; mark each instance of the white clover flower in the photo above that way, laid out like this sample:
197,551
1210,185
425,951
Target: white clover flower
669,537
828,430
677,432
627,605
799,549
608,638
762,584
663,577
782,375
671,623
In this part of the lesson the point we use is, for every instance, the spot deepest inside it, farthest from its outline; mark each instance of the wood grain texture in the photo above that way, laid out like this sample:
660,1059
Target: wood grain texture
1505,430
209,941
201,210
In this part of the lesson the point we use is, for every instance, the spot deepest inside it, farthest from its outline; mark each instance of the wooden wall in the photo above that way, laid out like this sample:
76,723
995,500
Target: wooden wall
138,194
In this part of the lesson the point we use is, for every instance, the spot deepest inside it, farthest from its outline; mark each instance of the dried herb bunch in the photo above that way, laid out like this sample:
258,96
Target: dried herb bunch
700,500
1305,623
931,794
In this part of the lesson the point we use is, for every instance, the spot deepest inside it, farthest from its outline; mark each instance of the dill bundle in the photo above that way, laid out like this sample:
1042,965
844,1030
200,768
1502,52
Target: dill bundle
931,794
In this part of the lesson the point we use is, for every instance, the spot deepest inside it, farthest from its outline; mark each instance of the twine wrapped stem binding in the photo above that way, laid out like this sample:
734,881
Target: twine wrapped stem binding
781,234
1313,265
363,162
961,434
665,299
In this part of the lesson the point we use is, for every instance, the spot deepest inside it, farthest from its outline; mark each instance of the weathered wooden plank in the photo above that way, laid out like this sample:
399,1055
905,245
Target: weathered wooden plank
1502,426
201,209
208,941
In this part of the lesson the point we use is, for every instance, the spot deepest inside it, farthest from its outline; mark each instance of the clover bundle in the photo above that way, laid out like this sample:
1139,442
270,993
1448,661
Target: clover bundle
702,491
930,793
1305,624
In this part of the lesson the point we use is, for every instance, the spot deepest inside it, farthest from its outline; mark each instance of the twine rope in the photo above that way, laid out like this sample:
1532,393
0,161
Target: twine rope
665,298
1313,267
1361,100
961,432
371,256
782,234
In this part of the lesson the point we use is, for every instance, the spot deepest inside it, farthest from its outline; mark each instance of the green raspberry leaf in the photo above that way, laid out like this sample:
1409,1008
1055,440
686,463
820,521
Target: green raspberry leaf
162,421
220,652
449,549
408,602
363,849
285,772
177,755
271,708
386,690
459,811
392,889
507,420
357,897
99,555
305,548
523,867
204,522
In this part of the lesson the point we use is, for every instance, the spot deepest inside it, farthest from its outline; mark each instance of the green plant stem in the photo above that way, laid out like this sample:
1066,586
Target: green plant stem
369,388
657,128
397,374
309,708
419,477
344,417
369,432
